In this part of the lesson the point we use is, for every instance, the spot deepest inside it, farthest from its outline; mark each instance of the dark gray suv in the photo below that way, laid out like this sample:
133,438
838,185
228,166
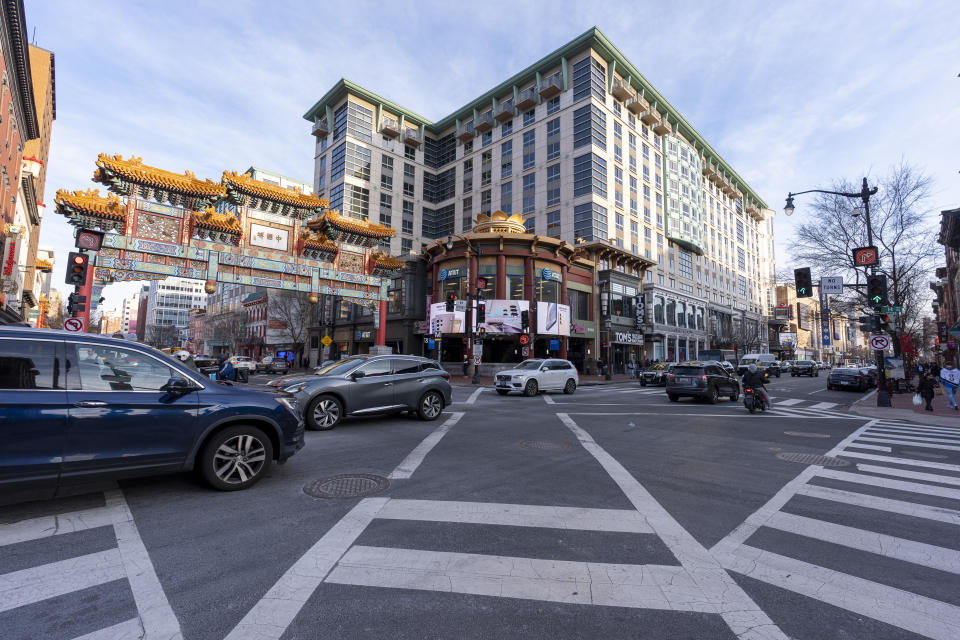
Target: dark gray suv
365,385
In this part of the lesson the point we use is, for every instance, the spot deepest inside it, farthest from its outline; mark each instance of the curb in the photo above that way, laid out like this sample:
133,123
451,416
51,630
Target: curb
899,414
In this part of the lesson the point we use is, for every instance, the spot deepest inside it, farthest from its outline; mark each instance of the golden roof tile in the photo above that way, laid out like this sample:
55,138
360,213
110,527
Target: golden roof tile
91,202
135,171
294,197
352,225
386,261
316,240
222,221
44,265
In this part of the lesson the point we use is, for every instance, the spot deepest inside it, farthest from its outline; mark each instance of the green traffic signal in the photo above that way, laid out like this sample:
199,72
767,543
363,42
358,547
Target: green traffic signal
803,282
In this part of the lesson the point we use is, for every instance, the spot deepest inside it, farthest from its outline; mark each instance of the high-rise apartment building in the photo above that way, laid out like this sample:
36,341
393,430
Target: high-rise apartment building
586,149
168,304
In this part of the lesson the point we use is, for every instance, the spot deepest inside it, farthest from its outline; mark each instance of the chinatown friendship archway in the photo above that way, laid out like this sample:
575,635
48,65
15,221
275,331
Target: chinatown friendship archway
238,230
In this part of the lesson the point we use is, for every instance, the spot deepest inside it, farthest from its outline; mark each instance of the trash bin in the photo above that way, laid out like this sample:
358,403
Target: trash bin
243,374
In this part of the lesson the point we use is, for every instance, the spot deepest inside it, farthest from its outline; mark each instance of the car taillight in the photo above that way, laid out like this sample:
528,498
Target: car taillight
669,376
446,375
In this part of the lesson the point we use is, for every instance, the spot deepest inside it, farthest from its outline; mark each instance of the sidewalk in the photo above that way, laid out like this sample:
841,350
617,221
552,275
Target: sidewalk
902,409
585,381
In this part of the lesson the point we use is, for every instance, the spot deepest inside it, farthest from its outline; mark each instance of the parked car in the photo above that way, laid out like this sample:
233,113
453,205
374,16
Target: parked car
805,368
79,409
706,380
272,364
243,362
761,360
655,374
871,375
847,378
367,385
530,377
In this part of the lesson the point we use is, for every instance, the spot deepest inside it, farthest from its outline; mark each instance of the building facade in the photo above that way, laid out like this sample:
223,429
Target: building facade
169,303
812,332
586,150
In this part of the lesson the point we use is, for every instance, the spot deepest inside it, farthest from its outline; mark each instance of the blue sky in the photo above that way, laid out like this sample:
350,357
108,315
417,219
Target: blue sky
793,96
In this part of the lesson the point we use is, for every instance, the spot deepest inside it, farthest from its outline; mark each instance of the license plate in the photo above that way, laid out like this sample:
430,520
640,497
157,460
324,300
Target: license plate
683,380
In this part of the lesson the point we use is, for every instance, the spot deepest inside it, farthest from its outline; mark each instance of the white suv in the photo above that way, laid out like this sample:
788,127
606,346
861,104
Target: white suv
533,376
243,362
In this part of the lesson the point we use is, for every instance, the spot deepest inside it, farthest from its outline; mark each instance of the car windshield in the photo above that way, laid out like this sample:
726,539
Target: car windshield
529,364
339,367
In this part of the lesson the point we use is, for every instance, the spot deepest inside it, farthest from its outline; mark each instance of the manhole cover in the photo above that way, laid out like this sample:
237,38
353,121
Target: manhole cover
348,485
807,434
924,454
813,458
546,445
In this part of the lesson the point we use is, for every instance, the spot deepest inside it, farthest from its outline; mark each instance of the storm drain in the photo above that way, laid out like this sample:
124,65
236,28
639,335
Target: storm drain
813,458
807,434
546,445
348,485
925,454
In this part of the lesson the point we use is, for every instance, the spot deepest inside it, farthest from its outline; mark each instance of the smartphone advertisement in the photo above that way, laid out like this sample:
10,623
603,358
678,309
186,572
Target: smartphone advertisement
553,319
444,322
504,316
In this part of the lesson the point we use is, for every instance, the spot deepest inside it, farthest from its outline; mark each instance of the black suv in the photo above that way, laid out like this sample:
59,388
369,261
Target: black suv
655,374
78,408
805,368
707,380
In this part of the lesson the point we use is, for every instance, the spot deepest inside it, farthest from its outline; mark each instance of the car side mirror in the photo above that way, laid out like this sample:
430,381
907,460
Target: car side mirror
356,375
178,386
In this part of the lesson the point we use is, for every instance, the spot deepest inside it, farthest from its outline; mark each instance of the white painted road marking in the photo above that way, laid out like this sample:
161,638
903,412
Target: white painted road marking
904,473
905,461
824,405
788,402
900,435
473,396
46,526
911,443
951,516
887,483
27,586
518,515
406,468
742,615
871,447
128,629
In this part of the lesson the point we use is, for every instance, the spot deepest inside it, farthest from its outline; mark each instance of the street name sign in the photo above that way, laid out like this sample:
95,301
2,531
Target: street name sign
891,309
460,305
879,343
73,324
831,285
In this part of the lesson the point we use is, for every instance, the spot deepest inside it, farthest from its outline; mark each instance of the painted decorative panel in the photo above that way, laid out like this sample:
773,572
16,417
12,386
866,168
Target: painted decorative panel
352,262
155,227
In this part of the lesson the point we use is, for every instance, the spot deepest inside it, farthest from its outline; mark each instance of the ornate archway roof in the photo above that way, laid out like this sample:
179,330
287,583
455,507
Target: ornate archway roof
387,262
114,171
293,197
90,203
219,221
350,226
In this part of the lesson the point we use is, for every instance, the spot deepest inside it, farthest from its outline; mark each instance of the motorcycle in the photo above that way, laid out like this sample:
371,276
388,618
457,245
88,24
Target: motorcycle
753,401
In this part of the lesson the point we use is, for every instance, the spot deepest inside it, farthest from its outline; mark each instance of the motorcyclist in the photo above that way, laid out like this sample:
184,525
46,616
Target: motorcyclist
186,359
754,379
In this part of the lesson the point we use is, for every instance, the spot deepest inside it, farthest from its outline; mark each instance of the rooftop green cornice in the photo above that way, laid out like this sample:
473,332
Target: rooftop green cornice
592,38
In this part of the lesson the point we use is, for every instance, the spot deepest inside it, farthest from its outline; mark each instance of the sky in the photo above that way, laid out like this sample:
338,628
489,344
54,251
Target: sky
793,95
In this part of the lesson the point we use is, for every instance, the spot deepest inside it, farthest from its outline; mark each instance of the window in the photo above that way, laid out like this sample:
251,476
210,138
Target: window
579,302
589,76
686,264
485,202
386,173
405,366
589,175
409,176
553,223
468,147
553,139
590,221
322,174
529,117
468,175
589,126
356,201
741,258
619,222
617,130
30,364
617,153
406,245
336,197
506,128
553,105
376,368
359,122
740,231
529,195
410,153
107,368
506,160
337,159
553,185
486,138
407,217
467,214
386,209
529,149
340,122
486,164
506,197
358,161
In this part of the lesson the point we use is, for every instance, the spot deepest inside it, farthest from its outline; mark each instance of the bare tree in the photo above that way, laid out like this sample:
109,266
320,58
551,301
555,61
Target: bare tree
227,327
292,310
901,231
163,336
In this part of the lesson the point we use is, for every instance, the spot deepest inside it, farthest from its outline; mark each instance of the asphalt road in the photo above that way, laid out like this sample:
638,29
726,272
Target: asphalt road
611,513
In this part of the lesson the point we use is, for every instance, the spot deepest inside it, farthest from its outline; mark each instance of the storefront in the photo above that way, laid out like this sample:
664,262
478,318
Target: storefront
627,351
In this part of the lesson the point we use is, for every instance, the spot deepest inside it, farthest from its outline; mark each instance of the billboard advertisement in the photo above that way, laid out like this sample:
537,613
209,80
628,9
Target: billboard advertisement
553,319
503,316
788,339
443,321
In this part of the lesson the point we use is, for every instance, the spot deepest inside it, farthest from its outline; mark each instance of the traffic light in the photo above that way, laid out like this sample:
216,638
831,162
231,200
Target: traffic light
525,320
451,298
482,331
76,303
868,324
803,282
883,323
77,269
877,290
481,312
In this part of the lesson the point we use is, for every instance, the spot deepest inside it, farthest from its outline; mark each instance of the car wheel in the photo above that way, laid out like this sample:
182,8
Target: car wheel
570,387
502,392
713,396
324,413
734,396
530,389
778,374
430,406
643,382
672,397
236,458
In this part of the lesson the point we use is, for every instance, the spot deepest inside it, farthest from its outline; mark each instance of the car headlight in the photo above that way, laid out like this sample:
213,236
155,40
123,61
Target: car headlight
296,388
289,403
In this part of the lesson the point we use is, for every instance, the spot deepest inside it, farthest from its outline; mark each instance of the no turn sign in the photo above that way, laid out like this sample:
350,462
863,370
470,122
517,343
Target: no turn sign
73,324
879,343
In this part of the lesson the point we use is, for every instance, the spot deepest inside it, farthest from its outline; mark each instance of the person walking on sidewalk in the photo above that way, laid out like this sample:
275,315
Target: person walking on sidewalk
925,389
950,378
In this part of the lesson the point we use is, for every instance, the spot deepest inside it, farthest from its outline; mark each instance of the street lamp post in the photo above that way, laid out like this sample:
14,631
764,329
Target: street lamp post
883,397
472,369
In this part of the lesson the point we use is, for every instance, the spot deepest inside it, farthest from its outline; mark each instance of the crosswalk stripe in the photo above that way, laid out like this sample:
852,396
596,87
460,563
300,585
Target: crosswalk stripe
593,583
824,405
27,586
909,611
789,402
913,509
912,443
519,515
872,447
127,629
904,473
888,483
910,426
35,528
905,461
915,435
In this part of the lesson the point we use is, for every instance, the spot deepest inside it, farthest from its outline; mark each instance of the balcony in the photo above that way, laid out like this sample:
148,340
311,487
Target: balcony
505,111
707,169
637,105
621,90
662,127
320,128
411,137
389,127
650,117
485,122
716,177
466,133
552,86
528,98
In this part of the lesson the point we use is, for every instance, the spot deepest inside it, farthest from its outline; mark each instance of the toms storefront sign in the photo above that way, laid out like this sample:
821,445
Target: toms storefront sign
627,337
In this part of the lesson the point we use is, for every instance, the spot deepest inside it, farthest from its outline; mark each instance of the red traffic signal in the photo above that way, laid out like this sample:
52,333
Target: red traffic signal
451,298
77,264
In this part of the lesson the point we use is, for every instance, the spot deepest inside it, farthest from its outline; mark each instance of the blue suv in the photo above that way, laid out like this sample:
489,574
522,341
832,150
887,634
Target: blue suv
80,408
